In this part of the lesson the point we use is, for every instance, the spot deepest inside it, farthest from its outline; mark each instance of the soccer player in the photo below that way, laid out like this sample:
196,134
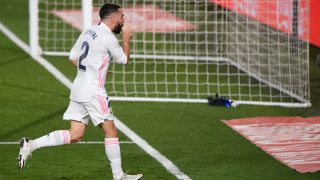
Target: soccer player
92,53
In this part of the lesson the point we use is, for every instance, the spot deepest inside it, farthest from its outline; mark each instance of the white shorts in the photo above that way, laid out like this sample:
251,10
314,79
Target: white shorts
97,110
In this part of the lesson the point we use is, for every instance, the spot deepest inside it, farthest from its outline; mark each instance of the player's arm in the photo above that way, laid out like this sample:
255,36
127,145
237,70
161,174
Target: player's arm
120,54
75,52
126,35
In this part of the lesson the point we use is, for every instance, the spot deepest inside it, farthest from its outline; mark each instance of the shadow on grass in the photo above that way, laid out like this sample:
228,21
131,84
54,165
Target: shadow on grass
33,123
19,87
12,60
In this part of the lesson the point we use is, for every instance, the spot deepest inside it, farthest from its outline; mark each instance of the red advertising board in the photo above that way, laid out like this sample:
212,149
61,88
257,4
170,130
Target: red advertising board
315,22
293,141
279,14
146,18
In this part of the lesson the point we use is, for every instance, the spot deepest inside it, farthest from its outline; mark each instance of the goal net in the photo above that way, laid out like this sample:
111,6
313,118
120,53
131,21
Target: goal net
250,51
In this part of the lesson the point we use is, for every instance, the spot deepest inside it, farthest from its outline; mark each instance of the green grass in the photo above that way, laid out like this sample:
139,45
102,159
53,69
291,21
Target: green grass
32,103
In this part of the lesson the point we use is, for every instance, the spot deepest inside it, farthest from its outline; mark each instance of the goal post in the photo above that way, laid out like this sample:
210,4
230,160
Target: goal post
250,51
86,13
33,27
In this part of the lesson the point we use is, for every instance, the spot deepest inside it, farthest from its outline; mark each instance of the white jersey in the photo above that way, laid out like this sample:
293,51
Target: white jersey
94,49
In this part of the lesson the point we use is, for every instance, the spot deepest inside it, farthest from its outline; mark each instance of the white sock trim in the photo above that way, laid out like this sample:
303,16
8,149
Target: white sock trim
111,141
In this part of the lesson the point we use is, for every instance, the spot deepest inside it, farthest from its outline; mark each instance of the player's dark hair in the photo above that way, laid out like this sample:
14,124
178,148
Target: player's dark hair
108,9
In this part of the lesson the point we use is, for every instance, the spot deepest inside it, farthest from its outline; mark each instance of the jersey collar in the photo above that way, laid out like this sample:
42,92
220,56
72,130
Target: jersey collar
104,26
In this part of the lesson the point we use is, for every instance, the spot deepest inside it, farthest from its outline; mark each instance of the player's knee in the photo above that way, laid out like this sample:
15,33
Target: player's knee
109,129
111,132
76,136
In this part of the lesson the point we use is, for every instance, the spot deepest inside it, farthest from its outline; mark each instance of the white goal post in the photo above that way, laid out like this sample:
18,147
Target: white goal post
250,51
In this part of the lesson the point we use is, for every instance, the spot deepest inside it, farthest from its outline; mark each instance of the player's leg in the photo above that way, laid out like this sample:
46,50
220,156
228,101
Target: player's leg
59,137
78,117
112,147
55,138
77,131
101,115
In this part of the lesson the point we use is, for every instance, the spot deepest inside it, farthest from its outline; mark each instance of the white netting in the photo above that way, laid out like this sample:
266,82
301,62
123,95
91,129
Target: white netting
188,49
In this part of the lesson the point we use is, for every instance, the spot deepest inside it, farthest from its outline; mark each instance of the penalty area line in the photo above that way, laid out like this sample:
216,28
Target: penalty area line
172,168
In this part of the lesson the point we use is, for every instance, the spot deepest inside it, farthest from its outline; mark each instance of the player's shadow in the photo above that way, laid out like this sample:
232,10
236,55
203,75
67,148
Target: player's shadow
19,87
32,124
14,59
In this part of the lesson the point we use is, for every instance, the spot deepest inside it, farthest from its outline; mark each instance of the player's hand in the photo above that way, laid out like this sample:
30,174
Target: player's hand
126,32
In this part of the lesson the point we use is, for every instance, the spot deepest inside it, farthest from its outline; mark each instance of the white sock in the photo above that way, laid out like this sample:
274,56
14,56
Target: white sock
112,148
54,138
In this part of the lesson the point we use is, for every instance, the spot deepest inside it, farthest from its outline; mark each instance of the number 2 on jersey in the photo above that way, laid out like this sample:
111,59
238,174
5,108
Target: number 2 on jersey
85,49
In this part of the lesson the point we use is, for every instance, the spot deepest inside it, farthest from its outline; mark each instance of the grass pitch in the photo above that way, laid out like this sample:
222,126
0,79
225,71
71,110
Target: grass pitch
192,136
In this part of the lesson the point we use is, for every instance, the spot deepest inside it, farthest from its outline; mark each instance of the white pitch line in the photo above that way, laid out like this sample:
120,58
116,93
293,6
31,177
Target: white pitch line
82,142
101,142
43,62
151,151
173,169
